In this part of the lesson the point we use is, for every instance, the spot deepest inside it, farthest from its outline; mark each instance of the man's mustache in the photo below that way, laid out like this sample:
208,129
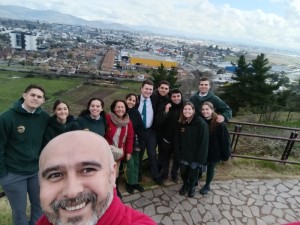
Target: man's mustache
79,199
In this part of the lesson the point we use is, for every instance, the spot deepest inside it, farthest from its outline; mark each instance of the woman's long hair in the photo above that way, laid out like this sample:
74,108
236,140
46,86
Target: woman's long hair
213,123
136,98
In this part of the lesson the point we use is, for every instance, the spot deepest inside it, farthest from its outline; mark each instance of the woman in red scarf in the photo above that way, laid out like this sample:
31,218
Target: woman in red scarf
120,131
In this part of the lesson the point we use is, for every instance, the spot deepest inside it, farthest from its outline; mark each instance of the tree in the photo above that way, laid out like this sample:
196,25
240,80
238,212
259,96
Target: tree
161,73
252,87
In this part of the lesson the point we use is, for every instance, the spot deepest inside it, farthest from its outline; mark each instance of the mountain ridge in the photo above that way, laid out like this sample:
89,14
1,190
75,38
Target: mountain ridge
51,16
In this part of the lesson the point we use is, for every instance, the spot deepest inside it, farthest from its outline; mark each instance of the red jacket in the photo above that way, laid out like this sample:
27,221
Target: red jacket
111,130
116,214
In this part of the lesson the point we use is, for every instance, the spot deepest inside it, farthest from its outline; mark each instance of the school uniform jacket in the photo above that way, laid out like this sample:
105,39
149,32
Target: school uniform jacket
192,141
219,143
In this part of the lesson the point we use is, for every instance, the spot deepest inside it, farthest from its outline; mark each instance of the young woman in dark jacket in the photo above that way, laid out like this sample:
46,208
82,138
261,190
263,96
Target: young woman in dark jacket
219,143
93,118
192,147
60,122
132,165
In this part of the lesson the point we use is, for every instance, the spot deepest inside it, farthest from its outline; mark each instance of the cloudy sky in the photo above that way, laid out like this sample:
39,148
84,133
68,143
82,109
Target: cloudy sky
255,22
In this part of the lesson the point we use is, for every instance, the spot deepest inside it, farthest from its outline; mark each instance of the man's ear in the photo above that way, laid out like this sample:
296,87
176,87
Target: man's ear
114,174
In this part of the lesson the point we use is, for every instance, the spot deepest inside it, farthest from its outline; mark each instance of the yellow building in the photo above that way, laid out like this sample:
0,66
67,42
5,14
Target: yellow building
150,60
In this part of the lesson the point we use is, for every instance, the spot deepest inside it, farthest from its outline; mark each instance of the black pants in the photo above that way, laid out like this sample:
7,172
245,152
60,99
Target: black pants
165,152
189,175
210,173
150,143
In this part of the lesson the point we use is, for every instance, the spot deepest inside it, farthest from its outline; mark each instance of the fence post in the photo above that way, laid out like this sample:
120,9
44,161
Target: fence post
238,130
289,146
234,135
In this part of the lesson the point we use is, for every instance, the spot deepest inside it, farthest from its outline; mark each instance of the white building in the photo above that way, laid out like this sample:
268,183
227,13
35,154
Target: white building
22,40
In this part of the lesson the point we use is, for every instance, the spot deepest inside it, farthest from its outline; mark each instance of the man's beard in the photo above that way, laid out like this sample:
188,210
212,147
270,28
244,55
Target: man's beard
88,198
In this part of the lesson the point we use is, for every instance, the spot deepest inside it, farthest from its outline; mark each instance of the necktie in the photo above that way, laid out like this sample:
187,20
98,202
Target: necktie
144,113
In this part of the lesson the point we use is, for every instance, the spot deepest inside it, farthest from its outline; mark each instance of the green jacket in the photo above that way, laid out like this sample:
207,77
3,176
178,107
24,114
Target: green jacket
191,142
21,136
86,122
55,128
220,106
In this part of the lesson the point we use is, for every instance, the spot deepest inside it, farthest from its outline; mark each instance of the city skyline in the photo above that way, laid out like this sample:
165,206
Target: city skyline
269,23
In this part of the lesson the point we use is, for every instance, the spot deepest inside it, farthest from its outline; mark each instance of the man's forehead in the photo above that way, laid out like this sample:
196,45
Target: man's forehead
70,155
77,142
164,86
204,82
35,91
148,86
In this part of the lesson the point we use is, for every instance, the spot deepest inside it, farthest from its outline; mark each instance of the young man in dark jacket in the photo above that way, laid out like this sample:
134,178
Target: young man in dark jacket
204,94
166,123
21,135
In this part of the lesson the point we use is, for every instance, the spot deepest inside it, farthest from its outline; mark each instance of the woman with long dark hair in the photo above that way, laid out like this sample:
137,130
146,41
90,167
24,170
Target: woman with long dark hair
219,143
132,165
93,117
191,147
60,122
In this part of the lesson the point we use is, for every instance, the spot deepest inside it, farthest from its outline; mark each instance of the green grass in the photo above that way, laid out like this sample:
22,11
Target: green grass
249,168
12,89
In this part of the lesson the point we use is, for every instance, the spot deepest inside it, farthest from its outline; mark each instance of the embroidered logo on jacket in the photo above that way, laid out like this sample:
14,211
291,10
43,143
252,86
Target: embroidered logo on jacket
21,129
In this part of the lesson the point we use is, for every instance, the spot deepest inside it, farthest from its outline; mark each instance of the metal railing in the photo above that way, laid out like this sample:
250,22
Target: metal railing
237,133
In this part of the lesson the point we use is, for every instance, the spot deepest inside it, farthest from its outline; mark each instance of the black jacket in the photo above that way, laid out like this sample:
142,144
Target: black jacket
55,128
192,141
166,122
219,143
138,126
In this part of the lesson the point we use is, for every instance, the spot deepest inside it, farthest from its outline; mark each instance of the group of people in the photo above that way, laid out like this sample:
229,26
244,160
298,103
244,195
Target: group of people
159,122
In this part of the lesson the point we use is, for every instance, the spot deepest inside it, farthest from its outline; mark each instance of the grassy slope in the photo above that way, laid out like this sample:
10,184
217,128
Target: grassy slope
12,88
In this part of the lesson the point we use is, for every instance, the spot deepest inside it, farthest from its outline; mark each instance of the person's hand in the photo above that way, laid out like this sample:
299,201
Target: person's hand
168,106
128,157
220,119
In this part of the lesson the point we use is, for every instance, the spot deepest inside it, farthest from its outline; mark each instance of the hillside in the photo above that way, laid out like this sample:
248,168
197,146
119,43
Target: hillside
49,16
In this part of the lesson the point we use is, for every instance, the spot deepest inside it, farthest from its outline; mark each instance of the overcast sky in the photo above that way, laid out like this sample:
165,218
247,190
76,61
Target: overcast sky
264,22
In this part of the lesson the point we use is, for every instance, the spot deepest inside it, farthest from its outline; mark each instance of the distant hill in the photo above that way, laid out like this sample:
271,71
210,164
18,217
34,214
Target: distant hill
23,13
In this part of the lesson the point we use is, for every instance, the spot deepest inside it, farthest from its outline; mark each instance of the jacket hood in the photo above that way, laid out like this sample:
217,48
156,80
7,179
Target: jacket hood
53,120
17,107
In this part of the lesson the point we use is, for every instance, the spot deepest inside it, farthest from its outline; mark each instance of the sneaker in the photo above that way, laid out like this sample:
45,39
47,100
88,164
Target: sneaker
158,180
191,192
130,188
175,179
183,190
140,178
204,190
165,176
139,187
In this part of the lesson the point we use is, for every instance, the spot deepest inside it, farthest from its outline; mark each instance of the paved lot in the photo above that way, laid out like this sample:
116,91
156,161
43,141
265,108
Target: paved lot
235,202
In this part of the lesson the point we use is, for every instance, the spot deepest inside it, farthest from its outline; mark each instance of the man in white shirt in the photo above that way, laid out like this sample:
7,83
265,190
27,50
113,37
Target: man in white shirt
147,108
